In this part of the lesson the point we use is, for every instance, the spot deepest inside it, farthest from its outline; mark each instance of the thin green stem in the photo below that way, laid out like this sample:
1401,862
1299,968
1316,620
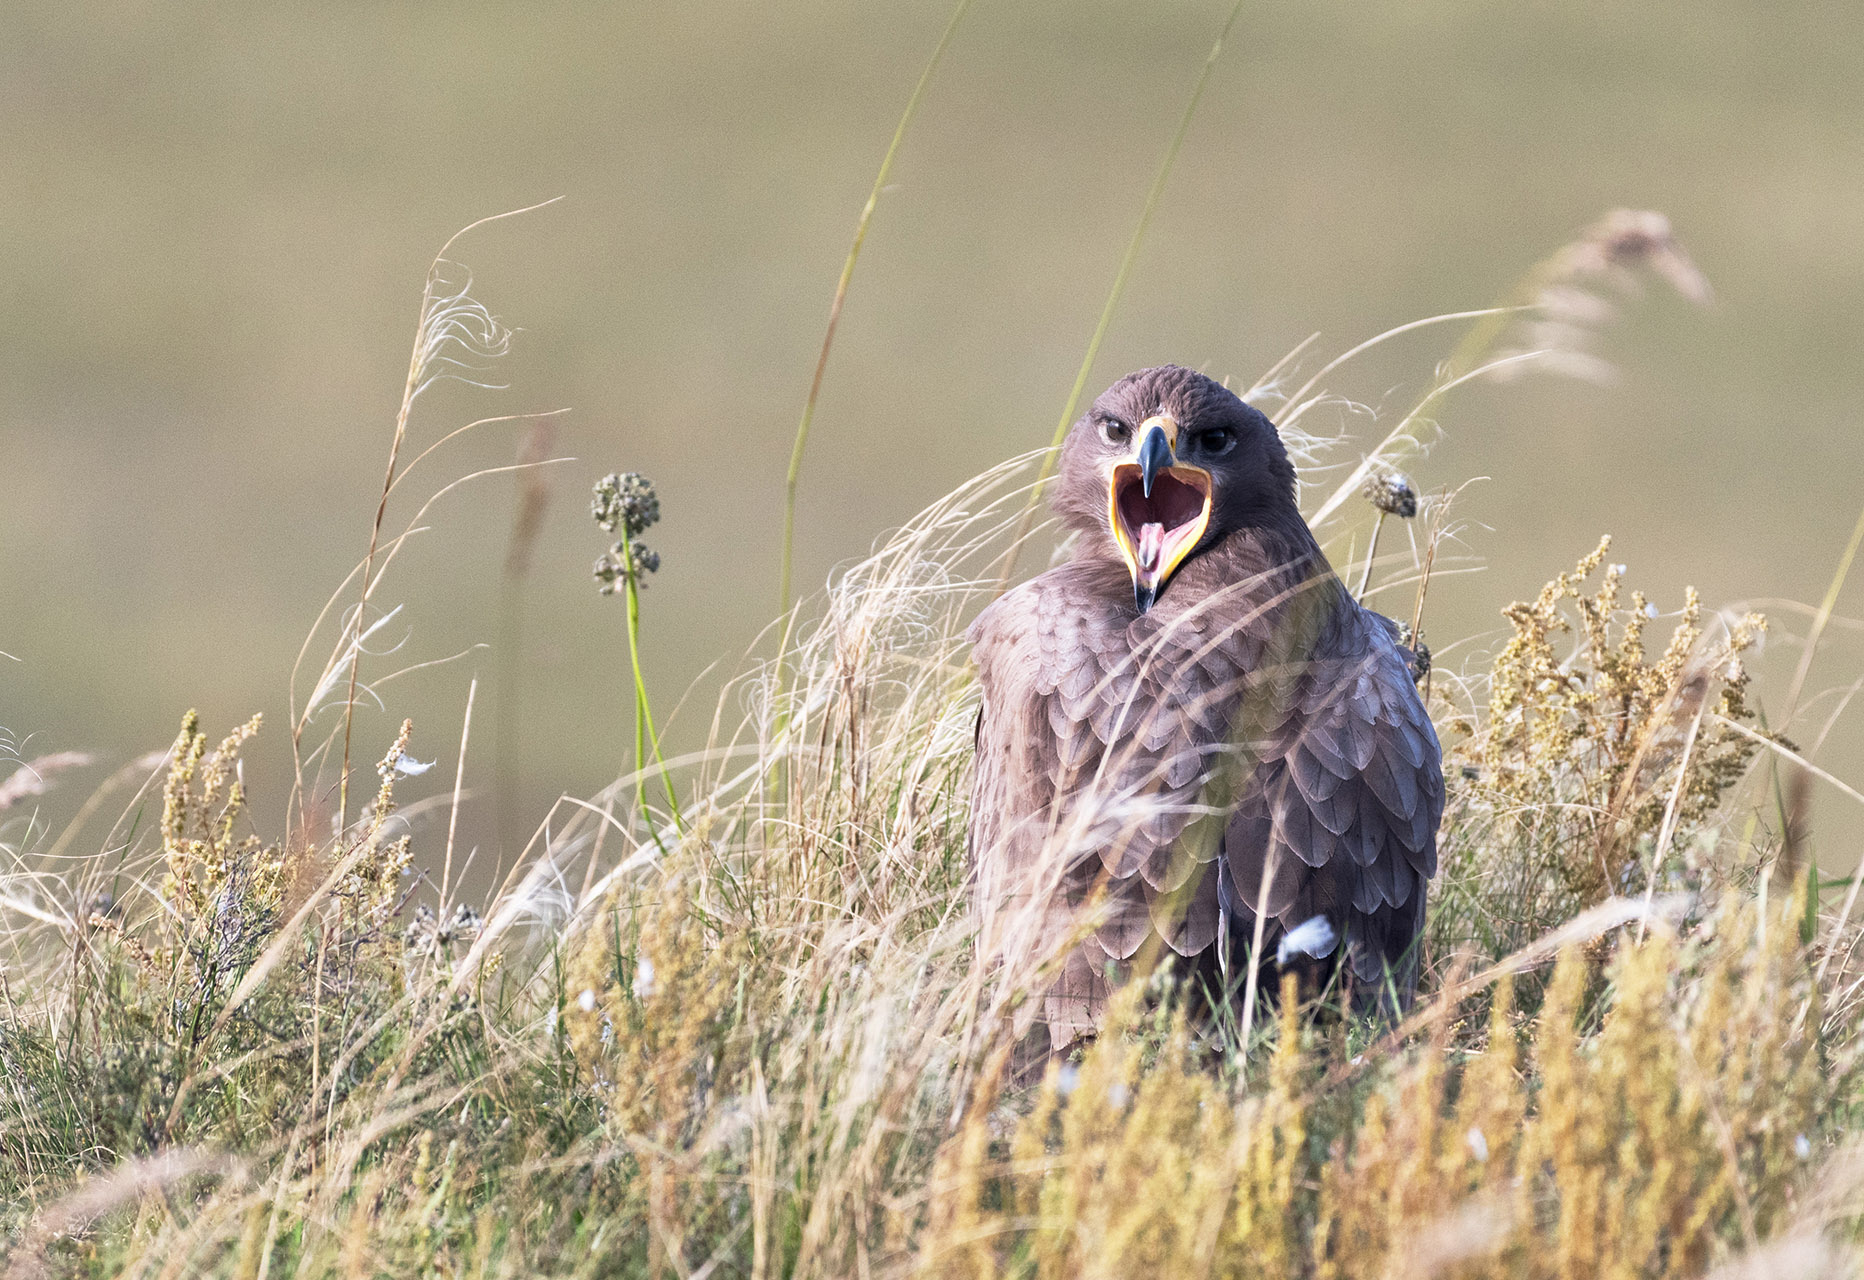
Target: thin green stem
841,294
1166,164
645,734
821,365
1823,617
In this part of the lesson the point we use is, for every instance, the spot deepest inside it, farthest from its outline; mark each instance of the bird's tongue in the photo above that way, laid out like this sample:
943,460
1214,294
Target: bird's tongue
1151,542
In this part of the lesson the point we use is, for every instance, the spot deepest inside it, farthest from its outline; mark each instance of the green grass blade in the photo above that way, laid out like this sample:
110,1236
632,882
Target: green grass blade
841,294
1166,164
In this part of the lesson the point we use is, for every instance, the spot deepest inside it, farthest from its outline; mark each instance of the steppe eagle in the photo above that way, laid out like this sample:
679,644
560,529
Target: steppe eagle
1192,723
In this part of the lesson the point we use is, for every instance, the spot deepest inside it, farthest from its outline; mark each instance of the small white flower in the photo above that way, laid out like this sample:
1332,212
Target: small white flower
1068,1079
1650,609
411,768
1312,937
1802,1147
586,1001
1478,1145
643,978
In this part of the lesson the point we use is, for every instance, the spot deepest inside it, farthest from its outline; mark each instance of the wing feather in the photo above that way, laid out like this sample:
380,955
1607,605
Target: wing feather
1188,916
1127,922
1364,798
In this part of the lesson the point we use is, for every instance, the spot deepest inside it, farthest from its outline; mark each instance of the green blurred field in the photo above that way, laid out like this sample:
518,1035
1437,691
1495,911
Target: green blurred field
216,223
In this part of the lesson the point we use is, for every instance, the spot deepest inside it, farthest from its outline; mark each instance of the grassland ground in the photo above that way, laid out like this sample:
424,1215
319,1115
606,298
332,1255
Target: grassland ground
721,1019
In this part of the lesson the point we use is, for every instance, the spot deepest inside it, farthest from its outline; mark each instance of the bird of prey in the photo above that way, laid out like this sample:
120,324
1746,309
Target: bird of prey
1193,740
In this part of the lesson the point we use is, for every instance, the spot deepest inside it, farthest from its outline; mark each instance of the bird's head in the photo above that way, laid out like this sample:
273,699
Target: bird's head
1166,463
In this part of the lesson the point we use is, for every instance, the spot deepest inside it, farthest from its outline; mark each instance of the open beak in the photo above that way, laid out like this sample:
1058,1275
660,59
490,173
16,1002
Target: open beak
1158,508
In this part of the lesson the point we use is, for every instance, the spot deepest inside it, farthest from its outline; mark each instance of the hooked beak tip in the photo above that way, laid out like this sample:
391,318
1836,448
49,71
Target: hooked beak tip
1155,455
1143,595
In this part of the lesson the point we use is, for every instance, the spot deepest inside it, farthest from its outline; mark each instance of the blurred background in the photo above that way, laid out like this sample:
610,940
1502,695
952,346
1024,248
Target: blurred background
216,223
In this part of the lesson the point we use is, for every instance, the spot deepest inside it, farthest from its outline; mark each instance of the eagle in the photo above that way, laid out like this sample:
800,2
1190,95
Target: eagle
1195,746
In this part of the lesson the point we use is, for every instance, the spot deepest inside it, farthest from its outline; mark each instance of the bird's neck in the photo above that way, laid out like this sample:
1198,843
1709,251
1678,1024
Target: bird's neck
1277,559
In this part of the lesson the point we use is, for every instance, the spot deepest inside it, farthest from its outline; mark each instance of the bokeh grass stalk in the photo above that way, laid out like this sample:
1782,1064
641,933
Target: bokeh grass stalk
526,525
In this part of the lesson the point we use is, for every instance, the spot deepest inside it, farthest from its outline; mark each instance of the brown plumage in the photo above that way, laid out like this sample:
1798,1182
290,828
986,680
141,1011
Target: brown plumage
1192,722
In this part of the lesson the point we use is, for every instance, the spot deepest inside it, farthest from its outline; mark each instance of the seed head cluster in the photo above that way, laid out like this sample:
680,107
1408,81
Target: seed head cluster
625,502
1391,492
428,935
628,503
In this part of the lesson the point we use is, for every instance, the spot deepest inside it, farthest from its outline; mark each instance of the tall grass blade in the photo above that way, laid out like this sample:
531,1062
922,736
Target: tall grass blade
1166,164
841,294
1823,617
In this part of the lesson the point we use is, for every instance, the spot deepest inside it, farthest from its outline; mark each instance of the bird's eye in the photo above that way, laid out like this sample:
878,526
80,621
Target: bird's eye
1216,442
1115,432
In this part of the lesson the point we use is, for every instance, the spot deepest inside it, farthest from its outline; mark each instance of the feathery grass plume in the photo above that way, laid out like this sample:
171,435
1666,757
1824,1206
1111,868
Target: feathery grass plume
1557,300
455,337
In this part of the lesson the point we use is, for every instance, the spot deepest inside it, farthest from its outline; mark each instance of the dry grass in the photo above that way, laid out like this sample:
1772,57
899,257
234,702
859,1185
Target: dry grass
740,1034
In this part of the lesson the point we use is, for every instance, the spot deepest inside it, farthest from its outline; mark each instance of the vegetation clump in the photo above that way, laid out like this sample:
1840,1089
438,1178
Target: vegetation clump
740,1032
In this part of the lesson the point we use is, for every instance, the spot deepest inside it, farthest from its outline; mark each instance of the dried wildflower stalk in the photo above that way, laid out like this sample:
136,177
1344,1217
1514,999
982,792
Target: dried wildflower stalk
203,803
1582,754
